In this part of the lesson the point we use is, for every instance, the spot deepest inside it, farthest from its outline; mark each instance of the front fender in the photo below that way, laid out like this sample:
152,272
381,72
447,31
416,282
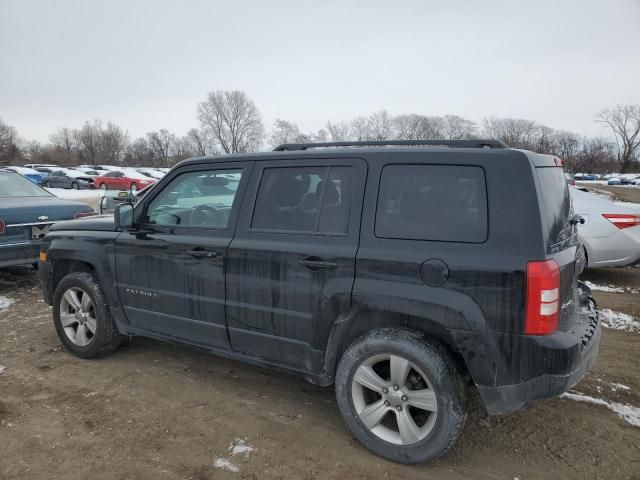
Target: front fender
96,249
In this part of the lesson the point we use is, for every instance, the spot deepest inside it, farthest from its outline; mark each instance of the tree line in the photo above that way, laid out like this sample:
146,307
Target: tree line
230,122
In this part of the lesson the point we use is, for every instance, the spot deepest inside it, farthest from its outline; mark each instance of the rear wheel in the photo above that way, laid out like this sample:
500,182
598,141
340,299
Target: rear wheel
75,185
48,184
401,397
134,187
82,318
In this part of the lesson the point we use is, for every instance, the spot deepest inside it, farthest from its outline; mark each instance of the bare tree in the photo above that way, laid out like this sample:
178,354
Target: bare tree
113,141
515,132
380,126
9,149
64,139
458,128
338,132
88,141
198,141
233,120
596,154
624,121
284,132
160,143
359,129
138,153
420,127
566,145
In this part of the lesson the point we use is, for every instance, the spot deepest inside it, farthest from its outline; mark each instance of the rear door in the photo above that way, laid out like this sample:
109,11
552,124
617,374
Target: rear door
290,266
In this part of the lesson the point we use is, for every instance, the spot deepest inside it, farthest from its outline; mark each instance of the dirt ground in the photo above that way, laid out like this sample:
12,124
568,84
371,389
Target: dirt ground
624,193
160,411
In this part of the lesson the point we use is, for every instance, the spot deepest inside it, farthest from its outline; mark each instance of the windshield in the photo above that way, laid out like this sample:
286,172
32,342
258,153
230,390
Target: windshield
13,185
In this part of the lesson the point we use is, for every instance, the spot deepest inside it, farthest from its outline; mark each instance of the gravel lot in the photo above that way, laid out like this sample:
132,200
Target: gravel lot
155,411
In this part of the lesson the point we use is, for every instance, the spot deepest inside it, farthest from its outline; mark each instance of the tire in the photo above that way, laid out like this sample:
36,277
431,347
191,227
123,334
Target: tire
48,184
103,186
105,337
75,185
134,187
441,392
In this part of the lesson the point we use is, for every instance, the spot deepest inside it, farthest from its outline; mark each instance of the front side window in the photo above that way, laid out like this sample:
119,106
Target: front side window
432,202
304,199
196,199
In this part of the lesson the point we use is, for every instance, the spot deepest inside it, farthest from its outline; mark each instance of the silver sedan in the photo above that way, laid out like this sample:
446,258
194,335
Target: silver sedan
610,232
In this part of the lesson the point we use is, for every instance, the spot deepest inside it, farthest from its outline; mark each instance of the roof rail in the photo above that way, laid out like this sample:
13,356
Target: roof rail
384,143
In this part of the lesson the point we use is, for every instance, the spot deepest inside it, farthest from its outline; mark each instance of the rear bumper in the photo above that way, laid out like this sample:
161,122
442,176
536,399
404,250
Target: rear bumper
524,368
23,253
508,398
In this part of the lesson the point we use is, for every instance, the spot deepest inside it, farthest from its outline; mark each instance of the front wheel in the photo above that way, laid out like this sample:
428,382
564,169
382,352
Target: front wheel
134,187
48,184
75,185
103,186
401,397
81,317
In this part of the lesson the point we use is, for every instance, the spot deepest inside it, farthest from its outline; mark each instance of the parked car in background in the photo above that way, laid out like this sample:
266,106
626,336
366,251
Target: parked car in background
614,181
400,275
47,166
91,167
610,232
33,175
121,180
150,173
589,177
66,178
26,213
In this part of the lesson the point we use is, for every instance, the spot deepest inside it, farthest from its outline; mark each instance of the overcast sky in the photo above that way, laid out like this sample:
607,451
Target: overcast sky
144,64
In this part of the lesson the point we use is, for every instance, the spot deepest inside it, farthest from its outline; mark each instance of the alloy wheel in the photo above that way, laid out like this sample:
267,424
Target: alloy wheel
394,399
78,316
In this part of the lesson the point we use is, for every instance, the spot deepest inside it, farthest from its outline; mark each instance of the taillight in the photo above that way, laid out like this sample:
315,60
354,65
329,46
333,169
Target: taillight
84,214
3,227
623,220
543,298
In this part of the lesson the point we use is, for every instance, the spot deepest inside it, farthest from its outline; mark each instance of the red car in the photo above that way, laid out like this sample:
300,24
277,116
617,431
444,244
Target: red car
118,180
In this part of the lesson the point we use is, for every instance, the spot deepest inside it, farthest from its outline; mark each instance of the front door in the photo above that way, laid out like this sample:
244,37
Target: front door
171,267
291,264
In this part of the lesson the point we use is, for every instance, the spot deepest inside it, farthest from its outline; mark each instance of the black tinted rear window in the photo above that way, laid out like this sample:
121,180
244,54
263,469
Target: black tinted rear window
432,202
557,203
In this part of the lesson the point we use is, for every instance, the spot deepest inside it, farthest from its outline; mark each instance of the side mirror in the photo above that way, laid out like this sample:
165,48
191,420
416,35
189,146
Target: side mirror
123,215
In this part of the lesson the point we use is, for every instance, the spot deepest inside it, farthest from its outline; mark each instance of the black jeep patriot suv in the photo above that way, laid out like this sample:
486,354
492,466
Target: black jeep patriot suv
402,272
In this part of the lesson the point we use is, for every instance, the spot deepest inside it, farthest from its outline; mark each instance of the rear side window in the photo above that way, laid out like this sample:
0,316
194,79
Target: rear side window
304,199
557,203
445,203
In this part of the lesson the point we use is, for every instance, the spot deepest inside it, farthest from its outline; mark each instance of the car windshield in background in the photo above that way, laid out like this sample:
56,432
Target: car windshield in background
13,185
557,202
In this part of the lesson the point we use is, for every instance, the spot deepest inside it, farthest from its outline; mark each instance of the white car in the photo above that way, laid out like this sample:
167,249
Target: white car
610,232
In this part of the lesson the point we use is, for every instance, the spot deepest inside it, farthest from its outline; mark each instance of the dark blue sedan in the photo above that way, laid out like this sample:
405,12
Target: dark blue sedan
26,213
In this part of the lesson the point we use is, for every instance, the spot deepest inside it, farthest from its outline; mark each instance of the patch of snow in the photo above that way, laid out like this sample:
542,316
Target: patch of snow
620,386
619,321
239,446
628,413
604,288
226,464
6,302
2,368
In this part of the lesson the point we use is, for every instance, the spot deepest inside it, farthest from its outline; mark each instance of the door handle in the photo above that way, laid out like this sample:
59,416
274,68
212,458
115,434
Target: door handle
315,264
202,254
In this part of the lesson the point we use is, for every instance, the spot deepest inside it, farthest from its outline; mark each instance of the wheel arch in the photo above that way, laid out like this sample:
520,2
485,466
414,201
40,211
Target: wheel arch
358,322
